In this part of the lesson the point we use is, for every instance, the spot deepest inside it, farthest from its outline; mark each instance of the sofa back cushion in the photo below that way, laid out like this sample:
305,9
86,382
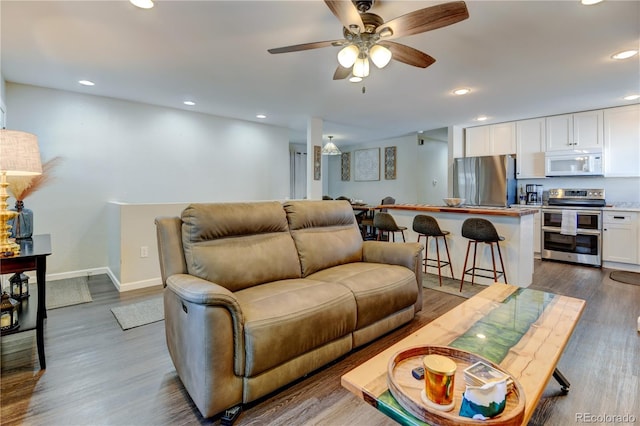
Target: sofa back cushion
239,245
325,232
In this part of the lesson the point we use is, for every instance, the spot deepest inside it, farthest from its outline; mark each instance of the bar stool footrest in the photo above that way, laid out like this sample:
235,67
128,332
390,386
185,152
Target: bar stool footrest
443,263
469,272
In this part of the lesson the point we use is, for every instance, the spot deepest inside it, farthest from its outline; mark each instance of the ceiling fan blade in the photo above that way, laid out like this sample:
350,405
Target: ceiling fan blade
341,73
347,14
408,55
307,46
427,19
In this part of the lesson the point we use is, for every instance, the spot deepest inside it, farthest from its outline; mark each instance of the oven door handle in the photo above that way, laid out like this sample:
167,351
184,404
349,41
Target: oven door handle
578,231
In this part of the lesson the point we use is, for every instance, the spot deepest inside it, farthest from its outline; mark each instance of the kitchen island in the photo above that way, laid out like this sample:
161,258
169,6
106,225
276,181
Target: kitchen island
515,225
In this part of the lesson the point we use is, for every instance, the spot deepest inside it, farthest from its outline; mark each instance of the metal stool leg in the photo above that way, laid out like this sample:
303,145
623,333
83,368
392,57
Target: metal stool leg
449,257
504,272
493,262
438,257
464,268
426,252
473,271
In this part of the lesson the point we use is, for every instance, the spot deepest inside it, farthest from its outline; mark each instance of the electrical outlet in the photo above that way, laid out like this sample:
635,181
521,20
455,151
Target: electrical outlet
144,251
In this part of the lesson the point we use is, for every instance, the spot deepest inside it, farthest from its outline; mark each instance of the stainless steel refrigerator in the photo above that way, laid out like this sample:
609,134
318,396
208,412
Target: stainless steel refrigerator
485,181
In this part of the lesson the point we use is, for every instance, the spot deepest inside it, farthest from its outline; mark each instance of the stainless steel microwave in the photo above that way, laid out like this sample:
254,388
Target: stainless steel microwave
575,163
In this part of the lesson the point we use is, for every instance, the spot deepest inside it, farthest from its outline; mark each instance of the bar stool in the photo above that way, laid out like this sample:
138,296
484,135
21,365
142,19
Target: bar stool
479,230
427,226
384,222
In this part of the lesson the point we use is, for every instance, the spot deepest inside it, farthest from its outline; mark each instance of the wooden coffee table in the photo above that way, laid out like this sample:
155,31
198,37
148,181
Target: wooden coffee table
524,331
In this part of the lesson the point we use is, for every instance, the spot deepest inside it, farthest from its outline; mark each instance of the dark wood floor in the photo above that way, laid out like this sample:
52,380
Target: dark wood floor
99,375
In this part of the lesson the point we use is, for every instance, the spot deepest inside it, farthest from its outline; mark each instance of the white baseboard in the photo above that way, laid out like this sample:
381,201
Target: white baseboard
136,285
621,266
121,287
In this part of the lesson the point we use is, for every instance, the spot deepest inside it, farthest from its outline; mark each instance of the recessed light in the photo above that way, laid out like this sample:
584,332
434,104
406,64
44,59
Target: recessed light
189,103
631,97
461,91
142,4
625,54
86,83
355,79
590,2
261,116
482,118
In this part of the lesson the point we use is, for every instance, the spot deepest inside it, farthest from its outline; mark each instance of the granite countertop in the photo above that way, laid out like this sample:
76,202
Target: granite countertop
480,210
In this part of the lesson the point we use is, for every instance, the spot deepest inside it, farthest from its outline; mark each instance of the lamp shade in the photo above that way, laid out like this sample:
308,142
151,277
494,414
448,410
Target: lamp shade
380,56
348,55
361,67
19,153
330,148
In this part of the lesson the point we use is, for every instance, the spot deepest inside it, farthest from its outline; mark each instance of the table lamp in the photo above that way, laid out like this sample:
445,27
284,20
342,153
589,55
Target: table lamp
19,156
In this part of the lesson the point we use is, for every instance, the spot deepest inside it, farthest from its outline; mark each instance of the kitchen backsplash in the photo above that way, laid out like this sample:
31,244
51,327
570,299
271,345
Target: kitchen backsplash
617,190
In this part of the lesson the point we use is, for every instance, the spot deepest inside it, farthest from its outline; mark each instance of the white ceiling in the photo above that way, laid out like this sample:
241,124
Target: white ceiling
520,58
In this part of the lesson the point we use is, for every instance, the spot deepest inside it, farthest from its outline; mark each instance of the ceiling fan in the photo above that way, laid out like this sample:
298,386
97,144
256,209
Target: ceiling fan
368,37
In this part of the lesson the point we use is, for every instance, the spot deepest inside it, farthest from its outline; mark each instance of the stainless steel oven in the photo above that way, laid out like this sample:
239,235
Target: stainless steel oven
572,226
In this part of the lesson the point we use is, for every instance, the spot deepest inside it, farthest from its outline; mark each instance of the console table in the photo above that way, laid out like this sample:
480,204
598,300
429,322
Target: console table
33,256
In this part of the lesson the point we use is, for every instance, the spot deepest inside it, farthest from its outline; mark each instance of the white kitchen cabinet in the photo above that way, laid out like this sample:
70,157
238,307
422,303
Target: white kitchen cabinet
622,141
530,147
582,130
537,232
503,138
494,139
620,237
476,141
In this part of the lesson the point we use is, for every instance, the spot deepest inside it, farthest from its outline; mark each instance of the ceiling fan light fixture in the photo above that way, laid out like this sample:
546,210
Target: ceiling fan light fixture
385,32
625,54
380,55
330,148
355,79
142,4
347,55
361,67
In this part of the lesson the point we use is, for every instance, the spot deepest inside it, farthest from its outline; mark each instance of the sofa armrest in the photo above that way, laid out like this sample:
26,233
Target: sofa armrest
408,255
202,292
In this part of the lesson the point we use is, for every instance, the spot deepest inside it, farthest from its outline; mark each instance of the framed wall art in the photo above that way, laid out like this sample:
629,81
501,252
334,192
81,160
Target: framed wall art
317,158
346,166
390,162
367,164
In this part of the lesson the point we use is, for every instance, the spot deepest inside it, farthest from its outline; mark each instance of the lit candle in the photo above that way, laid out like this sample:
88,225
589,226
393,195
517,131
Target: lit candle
5,320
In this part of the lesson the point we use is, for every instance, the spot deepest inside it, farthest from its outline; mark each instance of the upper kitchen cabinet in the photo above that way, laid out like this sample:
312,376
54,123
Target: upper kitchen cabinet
530,147
622,141
582,130
494,139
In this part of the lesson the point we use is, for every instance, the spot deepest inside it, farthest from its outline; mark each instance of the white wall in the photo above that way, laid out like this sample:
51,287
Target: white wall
431,171
403,188
115,150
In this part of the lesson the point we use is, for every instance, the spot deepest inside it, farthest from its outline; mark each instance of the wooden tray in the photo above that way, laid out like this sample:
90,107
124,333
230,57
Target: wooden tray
406,389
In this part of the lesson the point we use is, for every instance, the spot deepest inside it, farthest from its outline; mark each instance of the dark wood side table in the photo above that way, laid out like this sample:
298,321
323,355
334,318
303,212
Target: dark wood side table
33,256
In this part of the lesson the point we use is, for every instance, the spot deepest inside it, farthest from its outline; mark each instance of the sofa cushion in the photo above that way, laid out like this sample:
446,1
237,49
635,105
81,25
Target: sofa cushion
285,319
380,290
238,245
325,233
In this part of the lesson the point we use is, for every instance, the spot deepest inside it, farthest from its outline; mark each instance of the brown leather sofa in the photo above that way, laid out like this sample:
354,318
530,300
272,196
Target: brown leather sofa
260,294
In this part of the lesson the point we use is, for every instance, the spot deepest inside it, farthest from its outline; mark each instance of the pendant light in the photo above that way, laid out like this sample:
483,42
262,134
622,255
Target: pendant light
361,67
330,148
380,55
348,55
